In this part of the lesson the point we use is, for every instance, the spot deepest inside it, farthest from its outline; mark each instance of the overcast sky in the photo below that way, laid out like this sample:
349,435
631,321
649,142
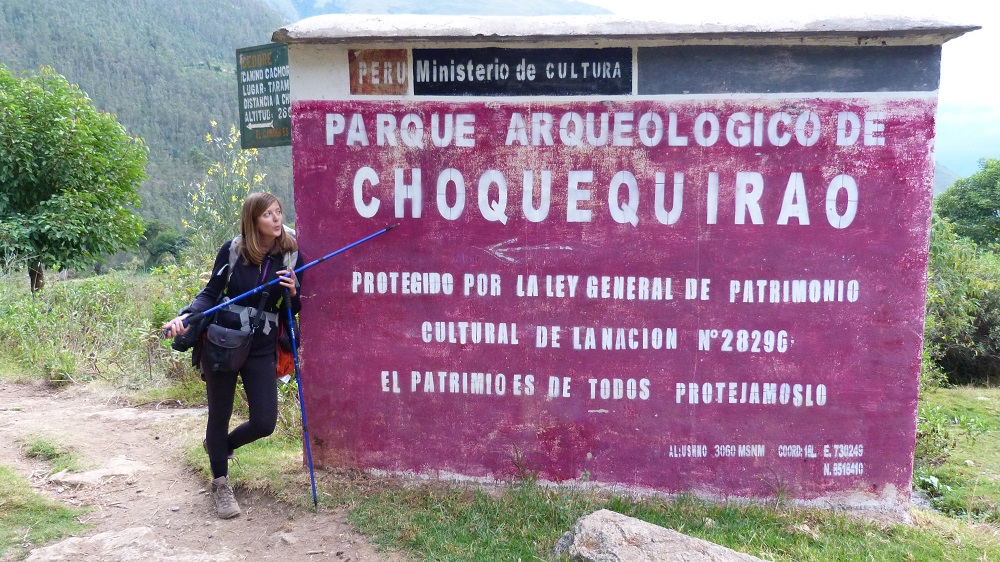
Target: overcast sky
968,120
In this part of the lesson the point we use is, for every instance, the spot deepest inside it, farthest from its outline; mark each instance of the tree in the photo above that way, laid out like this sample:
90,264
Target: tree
972,204
159,241
69,176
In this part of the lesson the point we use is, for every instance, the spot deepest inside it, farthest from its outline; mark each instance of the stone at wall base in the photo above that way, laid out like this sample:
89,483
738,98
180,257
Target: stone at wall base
606,536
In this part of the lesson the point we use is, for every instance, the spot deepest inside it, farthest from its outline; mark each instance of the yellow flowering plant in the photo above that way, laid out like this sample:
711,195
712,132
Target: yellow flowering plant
215,201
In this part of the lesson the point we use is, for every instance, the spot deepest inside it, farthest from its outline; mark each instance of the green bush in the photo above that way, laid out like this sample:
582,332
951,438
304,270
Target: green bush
962,330
103,327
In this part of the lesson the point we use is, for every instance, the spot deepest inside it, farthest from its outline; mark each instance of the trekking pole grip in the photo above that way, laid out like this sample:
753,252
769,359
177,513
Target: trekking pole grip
186,321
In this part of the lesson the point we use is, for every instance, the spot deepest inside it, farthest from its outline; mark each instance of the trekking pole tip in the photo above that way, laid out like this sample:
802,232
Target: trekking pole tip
392,226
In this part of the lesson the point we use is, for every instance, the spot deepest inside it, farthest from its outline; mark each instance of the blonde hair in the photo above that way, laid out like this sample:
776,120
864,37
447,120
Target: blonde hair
248,244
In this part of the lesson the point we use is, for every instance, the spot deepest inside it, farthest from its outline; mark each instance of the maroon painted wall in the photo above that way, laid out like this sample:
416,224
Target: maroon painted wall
725,295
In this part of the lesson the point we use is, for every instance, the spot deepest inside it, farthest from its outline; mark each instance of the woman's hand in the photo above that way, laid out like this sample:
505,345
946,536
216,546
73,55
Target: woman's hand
288,281
176,326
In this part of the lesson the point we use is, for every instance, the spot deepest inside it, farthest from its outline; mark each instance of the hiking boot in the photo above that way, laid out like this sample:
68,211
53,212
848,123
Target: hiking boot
225,500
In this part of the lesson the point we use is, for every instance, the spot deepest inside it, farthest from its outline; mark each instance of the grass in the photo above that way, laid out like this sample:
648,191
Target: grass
186,389
523,520
60,458
967,482
28,519
273,465
11,372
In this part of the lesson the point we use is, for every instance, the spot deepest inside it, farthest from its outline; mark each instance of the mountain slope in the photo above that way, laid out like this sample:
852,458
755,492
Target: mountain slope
301,9
943,178
166,69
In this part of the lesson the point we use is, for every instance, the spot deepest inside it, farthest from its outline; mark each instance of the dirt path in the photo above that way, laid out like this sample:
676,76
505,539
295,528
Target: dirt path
145,503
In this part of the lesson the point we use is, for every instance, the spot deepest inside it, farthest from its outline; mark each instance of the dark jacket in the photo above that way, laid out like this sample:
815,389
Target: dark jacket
243,278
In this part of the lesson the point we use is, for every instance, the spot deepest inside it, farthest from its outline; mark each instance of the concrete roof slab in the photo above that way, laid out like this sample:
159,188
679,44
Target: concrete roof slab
864,31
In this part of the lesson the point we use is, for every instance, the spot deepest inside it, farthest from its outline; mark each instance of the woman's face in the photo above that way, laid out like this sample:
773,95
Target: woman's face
269,224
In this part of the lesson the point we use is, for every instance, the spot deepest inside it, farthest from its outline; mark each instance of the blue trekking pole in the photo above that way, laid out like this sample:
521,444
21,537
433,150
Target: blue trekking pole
302,405
199,315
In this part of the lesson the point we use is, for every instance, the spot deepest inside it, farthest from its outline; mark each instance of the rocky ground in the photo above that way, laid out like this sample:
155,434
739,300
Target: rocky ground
144,502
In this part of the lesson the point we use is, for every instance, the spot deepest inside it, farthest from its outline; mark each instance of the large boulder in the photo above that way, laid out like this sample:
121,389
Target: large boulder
606,536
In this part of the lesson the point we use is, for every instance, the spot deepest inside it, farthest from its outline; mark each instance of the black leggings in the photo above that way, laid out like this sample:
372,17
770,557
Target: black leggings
261,388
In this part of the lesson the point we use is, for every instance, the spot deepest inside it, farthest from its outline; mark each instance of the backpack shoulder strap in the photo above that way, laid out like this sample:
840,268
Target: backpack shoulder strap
291,258
233,257
233,254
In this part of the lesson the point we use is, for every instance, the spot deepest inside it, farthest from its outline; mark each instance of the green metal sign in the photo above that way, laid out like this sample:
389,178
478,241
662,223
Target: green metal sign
264,96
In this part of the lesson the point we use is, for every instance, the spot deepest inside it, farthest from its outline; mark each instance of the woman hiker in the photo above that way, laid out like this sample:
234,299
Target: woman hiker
263,251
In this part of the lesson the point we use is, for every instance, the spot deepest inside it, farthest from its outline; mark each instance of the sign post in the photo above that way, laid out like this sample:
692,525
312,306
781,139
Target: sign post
264,96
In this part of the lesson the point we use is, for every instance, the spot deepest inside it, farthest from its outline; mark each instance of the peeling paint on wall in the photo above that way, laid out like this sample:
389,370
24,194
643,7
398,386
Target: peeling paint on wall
708,293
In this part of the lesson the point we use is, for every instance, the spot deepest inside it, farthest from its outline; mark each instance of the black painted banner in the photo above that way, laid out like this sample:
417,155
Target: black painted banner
727,69
522,72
